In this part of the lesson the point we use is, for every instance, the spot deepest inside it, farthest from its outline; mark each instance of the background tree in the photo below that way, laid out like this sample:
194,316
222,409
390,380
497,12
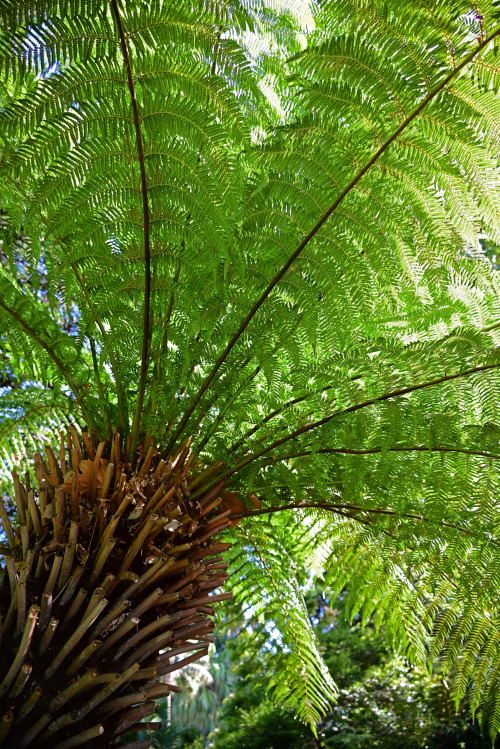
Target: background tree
256,228
383,700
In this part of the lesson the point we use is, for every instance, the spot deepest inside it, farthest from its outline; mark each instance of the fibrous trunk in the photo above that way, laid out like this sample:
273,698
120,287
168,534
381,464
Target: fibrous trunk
107,583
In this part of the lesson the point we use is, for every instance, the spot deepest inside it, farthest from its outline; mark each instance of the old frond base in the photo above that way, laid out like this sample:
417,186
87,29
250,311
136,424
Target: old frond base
108,580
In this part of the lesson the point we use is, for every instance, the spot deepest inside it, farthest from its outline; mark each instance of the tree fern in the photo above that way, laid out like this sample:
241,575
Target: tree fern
258,225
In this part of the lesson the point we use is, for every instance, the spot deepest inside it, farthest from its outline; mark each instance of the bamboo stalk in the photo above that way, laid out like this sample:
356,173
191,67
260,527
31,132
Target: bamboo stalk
163,501
47,636
11,611
56,524
62,722
210,495
106,584
174,550
209,586
177,566
22,650
159,690
21,680
204,627
210,551
115,449
81,738
30,560
75,638
145,673
40,565
29,703
75,507
184,622
199,477
110,528
206,610
12,572
159,470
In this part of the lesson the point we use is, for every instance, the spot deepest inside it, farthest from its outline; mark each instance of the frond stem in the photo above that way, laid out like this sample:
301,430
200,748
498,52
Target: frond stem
83,286
100,390
351,409
48,350
114,364
354,508
146,332
375,450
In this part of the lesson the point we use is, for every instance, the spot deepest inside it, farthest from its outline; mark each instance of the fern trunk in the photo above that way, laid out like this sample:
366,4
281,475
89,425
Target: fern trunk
110,572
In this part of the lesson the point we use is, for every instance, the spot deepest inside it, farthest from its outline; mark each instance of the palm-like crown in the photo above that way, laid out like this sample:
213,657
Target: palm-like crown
259,227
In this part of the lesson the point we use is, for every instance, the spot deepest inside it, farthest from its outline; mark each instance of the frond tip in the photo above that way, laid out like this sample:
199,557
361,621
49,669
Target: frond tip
109,575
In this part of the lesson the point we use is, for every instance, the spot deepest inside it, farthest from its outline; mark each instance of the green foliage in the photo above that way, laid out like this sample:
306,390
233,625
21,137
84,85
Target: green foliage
383,700
267,217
